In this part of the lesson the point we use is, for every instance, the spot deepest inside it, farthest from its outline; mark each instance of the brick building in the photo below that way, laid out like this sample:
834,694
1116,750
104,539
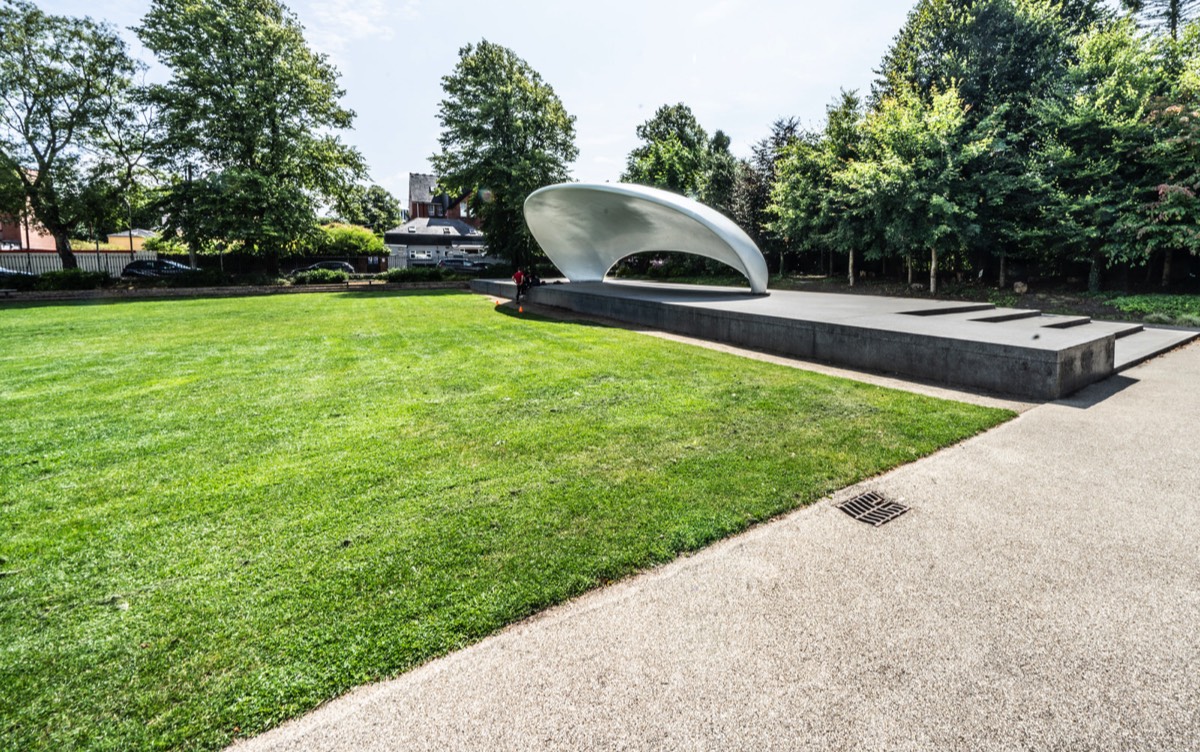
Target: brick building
439,226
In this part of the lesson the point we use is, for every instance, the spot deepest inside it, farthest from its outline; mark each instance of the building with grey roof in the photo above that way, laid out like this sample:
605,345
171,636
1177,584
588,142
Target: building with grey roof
441,226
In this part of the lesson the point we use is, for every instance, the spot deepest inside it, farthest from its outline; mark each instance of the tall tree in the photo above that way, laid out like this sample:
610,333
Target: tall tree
250,118
373,207
752,193
923,174
1170,221
505,133
899,181
812,206
995,53
61,80
674,154
720,180
1169,15
1095,152
1006,59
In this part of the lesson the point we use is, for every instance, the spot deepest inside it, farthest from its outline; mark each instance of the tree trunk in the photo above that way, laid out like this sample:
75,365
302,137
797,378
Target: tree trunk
908,262
1003,270
933,271
62,242
1166,278
851,265
1094,273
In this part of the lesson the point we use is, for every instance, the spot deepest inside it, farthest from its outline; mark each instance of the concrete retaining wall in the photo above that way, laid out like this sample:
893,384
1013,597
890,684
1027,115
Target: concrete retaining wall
1037,371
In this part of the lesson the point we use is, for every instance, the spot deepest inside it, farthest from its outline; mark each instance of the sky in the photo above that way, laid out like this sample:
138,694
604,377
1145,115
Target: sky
739,65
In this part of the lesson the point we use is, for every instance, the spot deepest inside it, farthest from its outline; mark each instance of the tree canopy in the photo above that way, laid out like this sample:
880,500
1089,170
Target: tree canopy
678,155
1052,134
505,133
373,207
251,112
675,153
61,80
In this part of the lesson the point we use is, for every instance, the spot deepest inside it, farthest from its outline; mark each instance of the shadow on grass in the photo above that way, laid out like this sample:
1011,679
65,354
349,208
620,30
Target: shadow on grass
150,296
431,292
512,310
22,305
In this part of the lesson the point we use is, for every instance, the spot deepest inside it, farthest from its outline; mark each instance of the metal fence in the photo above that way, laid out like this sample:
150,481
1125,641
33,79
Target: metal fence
40,262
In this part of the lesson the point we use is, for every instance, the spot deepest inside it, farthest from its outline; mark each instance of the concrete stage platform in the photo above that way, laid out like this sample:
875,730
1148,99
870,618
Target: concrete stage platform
1017,352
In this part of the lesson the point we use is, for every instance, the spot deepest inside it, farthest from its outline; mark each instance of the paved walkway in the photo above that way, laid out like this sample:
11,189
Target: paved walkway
1044,593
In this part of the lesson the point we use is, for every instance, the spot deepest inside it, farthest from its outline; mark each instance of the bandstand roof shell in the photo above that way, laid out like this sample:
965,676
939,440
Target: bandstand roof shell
586,228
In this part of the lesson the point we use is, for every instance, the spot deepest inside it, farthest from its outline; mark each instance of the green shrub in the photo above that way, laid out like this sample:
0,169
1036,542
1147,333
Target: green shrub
1157,318
1003,298
259,279
21,282
114,243
71,279
163,244
320,277
1189,320
175,246
416,274
199,278
348,240
1172,306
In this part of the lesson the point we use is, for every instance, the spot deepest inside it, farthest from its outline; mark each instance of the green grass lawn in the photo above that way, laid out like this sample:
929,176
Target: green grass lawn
216,514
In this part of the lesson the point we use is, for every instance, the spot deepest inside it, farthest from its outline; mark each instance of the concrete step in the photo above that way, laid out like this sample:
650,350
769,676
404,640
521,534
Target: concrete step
1042,321
1140,346
1001,315
946,309
1059,321
1119,328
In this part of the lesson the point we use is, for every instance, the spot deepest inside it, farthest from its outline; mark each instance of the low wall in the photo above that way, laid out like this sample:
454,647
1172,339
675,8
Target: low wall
910,347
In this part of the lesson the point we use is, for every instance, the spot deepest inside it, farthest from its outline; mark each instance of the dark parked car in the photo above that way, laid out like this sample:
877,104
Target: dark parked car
14,273
159,268
462,266
335,266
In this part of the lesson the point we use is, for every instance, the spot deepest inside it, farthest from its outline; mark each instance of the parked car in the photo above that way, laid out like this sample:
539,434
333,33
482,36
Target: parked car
14,273
158,268
336,266
460,265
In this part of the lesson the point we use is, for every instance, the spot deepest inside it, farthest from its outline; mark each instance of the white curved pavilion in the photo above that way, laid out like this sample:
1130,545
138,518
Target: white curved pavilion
585,228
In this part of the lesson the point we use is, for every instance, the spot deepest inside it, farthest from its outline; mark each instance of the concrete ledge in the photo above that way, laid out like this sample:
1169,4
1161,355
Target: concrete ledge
922,339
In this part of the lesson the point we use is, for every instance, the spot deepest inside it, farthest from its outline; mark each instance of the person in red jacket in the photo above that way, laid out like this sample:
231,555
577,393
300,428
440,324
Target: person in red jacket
519,278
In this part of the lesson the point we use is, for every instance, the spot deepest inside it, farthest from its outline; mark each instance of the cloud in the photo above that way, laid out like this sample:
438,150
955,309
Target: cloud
336,24
716,13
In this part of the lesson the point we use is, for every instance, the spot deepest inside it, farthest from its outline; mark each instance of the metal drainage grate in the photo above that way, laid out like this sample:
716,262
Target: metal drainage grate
872,508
